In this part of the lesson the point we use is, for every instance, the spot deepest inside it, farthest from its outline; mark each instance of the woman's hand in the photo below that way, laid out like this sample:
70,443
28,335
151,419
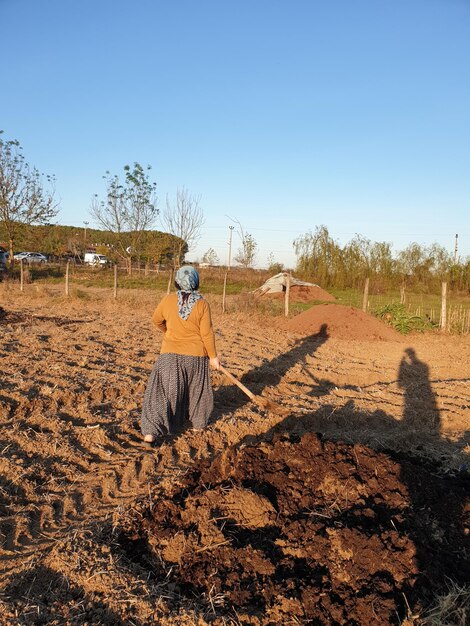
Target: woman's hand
215,363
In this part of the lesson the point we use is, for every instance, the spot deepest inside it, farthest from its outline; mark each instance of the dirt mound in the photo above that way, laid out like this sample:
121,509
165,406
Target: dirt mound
304,530
303,293
342,322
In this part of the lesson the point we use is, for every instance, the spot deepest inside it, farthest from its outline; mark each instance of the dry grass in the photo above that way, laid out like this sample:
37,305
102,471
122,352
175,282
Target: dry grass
451,609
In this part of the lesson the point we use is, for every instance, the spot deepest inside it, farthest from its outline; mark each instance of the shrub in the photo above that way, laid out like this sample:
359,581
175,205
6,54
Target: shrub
400,319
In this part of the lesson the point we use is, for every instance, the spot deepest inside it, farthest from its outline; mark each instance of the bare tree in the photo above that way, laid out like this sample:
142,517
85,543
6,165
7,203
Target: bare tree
247,253
210,257
184,219
130,208
24,199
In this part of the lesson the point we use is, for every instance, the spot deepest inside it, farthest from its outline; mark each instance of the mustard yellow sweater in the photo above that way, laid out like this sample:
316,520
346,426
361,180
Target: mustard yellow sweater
193,337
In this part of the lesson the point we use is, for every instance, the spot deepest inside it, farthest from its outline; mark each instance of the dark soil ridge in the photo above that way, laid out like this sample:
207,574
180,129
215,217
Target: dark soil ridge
309,530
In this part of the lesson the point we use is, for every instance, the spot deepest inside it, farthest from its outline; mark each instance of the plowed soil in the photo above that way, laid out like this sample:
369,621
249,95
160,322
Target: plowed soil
348,507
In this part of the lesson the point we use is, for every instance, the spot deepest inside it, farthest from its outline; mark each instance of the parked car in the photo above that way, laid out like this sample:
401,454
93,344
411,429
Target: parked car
30,257
92,258
3,262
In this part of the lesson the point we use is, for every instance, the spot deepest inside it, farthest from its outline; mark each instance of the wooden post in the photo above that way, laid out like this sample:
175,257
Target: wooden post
169,281
21,275
115,281
444,306
402,294
146,271
365,298
286,300
223,293
67,268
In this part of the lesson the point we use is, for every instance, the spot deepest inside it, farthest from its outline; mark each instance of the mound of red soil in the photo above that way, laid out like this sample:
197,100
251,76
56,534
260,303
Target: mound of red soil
343,322
304,530
304,293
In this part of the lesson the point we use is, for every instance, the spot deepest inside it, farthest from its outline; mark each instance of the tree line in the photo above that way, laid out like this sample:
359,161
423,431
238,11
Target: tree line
71,242
324,261
127,214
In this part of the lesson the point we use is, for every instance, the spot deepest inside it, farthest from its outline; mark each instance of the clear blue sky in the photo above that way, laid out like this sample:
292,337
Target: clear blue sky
283,115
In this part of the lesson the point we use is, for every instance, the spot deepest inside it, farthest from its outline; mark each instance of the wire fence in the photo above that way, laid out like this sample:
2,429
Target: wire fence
428,310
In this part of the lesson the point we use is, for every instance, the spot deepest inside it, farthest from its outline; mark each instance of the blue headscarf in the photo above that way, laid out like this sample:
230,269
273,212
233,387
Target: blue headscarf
187,282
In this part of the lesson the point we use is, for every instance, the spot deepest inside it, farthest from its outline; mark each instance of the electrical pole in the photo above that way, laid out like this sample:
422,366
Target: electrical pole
456,248
84,236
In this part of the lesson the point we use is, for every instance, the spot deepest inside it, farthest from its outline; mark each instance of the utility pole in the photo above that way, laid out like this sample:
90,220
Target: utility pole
230,247
228,267
84,236
456,249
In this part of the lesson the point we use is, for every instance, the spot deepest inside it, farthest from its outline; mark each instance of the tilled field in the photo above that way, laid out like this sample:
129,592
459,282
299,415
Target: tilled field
348,507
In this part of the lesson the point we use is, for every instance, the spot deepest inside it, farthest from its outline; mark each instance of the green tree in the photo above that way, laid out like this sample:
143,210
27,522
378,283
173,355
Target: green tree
318,256
411,259
273,266
246,255
442,261
130,207
26,196
356,260
381,259
158,247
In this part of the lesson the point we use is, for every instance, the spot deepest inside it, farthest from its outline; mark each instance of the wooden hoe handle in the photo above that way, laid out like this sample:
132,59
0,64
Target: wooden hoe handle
234,380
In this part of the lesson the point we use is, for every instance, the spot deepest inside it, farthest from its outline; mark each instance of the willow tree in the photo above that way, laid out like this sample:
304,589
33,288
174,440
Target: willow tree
356,260
26,195
318,256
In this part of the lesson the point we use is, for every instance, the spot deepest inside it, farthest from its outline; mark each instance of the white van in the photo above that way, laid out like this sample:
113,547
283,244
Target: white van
91,258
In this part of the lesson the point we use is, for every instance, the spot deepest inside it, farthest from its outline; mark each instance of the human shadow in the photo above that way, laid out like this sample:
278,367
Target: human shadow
438,507
268,374
435,517
420,410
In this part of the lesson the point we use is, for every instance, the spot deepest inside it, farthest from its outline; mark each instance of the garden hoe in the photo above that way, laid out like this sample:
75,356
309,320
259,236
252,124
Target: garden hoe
263,403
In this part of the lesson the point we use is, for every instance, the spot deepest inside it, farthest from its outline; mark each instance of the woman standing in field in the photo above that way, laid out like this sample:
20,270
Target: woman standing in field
179,386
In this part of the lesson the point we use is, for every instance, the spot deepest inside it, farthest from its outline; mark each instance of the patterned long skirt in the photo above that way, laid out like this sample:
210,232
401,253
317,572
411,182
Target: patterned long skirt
179,388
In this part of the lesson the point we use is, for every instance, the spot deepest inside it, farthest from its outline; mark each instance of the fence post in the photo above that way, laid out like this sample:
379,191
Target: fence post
223,292
402,294
286,299
169,281
67,267
115,281
444,306
366,295
21,275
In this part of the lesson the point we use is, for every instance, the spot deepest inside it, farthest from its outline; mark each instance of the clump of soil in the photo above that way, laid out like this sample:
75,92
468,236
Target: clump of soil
343,322
305,530
304,293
